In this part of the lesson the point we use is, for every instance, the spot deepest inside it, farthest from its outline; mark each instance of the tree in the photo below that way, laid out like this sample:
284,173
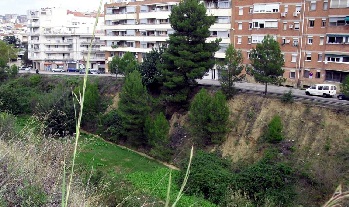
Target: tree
157,132
345,86
188,56
267,61
133,109
149,69
12,40
7,53
124,65
208,117
230,69
218,118
25,59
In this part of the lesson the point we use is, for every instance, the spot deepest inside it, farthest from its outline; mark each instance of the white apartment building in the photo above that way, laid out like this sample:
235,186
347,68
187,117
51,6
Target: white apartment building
59,38
138,26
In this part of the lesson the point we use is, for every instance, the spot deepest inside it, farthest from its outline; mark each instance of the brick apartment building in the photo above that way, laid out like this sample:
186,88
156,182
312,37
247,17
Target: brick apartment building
313,35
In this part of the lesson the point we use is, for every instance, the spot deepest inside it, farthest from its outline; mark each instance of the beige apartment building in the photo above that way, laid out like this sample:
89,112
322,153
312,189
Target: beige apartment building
313,35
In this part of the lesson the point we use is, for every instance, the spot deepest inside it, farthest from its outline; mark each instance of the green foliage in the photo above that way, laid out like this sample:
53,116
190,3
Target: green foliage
149,69
267,61
7,53
287,97
274,130
210,176
35,80
133,109
188,56
156,183
91,104
110,126
56,110
124,65
345,86
32,195
266,180
230,69
11,40
208,117
157,133
25,59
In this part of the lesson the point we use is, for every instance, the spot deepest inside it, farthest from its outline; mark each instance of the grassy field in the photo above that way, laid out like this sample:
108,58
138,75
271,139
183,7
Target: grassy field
147,179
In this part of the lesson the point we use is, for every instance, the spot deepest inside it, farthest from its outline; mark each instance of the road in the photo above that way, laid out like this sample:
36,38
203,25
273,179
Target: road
242,85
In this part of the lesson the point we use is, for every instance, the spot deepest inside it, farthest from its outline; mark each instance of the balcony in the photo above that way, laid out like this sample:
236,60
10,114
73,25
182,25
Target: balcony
59,58
59,50
59,42
34,24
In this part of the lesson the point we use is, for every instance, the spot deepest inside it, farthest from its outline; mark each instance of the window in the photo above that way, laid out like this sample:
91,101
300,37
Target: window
338,4
319,57
285,25
306,73
250,25
214,34
323,23
308,57
311,23
239,39
249,40
250,11
325,5
266,8
292,74
241,11
296,25
310,40
283,41
295,42
240,25
286,9
248,55
317,74
321,40
298,8
294,58
313,6
257,39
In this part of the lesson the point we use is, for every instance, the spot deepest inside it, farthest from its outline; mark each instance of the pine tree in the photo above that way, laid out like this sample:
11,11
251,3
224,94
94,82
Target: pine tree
133,109
124,65
267,61
188,56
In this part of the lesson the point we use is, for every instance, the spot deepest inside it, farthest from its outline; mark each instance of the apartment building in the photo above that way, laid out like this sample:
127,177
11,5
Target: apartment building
59,38
139,26
313,36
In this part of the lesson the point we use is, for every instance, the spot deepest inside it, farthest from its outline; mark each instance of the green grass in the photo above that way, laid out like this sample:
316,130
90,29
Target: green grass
100,155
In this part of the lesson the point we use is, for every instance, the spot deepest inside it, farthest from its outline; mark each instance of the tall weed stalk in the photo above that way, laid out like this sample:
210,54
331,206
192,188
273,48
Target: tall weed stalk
80,100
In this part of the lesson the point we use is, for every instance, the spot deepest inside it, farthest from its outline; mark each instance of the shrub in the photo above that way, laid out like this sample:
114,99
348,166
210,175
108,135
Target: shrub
157,132
110,125
274,130
209,177
287,97
266,180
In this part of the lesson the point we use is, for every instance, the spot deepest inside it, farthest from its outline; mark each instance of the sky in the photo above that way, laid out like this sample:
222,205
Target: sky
21,6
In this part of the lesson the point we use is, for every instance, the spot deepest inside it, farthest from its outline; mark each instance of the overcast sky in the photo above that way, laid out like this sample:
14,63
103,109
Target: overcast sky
21,6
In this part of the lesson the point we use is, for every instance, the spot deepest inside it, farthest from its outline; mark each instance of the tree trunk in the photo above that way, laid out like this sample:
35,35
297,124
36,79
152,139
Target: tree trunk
265,91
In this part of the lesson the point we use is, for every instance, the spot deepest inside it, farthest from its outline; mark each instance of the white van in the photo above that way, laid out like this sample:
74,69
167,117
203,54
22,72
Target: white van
94,71
325,90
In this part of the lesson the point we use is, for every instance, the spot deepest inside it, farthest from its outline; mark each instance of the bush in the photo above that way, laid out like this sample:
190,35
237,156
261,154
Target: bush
157,132
267,181
110,125
287,97
274,130
210,176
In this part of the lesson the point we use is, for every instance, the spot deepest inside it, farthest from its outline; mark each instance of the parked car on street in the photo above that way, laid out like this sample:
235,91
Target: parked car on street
325,90
94,71
58,70
83,71
342,97
72,70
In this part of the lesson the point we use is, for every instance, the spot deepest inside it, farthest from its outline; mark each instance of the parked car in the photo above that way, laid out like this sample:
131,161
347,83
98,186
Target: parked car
72,70
342,97
94,71
58,70
325,90
83,71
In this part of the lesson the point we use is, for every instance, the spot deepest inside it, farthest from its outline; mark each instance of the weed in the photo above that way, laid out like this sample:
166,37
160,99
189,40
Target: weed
287,97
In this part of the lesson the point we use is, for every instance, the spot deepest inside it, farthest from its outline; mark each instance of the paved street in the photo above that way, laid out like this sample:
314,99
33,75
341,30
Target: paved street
243,85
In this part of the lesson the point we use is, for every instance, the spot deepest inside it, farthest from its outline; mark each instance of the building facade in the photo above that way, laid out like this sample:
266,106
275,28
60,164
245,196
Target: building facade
59,38
313,36
139,26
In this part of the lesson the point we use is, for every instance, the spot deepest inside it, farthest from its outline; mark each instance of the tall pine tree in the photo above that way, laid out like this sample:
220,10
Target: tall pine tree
188,56
133,109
